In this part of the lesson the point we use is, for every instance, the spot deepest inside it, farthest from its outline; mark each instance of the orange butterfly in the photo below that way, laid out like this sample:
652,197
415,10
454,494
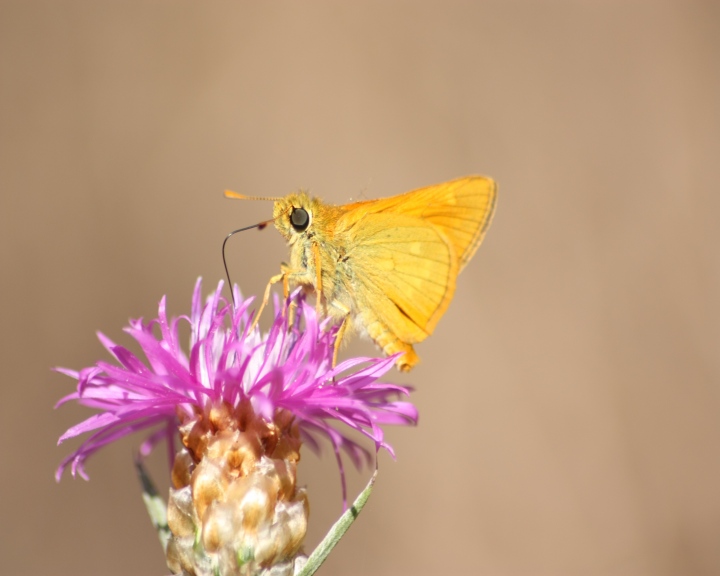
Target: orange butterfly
386,266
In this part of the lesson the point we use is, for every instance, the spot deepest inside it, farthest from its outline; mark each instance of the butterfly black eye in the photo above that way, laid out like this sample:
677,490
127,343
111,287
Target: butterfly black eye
300,219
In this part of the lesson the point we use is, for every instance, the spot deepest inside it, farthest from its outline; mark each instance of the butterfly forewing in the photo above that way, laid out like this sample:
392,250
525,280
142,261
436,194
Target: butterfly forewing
462,209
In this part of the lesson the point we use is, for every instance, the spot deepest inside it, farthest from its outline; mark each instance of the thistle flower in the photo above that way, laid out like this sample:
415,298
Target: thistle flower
242,405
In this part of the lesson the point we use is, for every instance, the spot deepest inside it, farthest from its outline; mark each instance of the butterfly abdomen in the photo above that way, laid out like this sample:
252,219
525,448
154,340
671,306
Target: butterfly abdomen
367,323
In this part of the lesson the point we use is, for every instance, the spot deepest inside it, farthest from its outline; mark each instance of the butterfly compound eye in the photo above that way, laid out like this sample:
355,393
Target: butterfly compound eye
300,219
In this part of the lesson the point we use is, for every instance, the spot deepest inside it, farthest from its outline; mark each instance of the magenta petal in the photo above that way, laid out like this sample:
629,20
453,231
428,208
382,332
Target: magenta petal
289,368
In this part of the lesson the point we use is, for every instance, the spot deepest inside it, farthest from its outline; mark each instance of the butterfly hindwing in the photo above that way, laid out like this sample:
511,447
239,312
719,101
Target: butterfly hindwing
405,270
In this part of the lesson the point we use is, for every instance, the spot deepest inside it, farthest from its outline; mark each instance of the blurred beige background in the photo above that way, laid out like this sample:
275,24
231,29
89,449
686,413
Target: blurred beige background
570,399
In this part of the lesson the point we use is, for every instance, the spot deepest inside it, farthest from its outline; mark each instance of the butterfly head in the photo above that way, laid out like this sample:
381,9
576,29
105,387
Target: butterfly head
294,215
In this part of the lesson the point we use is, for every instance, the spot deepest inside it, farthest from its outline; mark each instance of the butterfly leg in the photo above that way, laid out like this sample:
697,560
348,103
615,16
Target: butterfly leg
339,337
286,272
318,279
274,280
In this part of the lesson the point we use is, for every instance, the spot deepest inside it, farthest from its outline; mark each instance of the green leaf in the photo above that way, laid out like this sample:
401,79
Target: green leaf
155,505
338,530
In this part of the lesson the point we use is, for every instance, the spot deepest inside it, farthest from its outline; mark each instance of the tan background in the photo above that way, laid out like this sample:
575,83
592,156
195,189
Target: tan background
570,399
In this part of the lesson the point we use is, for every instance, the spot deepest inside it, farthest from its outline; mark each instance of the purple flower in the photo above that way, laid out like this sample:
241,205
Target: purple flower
287,371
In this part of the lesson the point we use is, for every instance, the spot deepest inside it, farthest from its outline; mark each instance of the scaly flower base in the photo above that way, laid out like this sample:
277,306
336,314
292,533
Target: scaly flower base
234,507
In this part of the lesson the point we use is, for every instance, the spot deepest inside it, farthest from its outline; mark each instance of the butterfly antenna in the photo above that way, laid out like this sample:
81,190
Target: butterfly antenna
259,226
238,196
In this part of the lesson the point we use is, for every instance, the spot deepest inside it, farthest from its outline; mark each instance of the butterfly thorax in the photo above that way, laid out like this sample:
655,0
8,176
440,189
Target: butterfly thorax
309,226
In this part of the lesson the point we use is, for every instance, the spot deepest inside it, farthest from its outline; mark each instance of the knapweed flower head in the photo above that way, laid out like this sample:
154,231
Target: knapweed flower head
242,404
